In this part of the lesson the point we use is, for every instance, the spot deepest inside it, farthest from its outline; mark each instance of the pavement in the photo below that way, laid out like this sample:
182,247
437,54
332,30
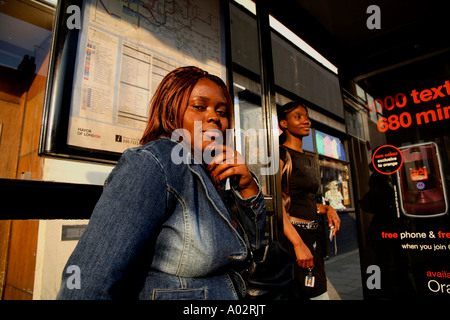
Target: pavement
344,276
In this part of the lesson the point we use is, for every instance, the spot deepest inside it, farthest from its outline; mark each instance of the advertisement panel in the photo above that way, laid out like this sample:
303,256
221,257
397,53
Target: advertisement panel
404,218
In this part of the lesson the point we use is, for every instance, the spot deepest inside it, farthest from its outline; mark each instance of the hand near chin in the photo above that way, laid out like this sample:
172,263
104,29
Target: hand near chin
230,163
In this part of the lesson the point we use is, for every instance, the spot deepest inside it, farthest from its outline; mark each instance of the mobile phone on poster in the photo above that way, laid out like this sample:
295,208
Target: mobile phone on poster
421,184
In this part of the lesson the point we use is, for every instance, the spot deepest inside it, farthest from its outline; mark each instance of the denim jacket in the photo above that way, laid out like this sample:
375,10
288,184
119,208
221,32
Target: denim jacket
160,230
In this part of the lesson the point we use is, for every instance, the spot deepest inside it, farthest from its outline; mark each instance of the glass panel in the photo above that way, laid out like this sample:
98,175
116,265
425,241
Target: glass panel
250,132
304,77
244,37
251,138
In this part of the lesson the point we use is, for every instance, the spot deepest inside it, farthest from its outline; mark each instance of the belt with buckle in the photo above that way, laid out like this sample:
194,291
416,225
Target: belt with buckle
312,225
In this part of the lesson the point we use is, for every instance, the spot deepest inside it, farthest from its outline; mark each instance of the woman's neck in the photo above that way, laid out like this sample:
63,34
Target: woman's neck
294,143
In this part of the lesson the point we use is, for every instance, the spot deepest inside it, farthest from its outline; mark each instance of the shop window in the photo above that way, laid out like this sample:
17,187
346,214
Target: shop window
334,171
334,176
330,146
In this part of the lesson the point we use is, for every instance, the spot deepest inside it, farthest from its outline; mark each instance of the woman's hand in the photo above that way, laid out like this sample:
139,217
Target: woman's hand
230,163
304,256
332,216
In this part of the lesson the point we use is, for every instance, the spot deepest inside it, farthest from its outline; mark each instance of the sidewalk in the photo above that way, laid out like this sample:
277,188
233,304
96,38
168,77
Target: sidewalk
344,276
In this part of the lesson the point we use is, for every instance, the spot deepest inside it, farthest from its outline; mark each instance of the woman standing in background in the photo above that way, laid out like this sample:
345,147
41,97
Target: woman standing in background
301,225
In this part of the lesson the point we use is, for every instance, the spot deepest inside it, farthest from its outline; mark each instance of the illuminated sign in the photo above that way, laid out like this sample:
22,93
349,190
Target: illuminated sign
406,118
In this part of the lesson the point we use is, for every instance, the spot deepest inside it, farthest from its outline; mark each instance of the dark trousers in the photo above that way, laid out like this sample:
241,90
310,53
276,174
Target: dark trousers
314,239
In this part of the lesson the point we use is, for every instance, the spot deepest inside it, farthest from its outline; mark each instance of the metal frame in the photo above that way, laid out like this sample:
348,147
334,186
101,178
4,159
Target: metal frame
269,112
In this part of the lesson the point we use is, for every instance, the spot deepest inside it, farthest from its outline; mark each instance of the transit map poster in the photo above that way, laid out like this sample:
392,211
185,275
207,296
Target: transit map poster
124,50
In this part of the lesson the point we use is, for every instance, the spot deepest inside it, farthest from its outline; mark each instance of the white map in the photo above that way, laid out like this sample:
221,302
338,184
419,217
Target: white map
126,47
188,29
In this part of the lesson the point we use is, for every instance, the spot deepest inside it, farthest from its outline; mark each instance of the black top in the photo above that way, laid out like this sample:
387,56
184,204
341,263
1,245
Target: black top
303,185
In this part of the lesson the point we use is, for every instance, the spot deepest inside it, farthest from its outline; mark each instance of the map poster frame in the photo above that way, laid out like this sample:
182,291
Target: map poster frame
105,66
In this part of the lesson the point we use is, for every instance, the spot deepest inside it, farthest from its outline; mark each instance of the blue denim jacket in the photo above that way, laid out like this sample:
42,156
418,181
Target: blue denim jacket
160,230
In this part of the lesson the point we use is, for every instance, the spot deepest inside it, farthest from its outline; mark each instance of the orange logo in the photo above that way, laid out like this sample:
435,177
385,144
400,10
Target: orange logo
418,174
